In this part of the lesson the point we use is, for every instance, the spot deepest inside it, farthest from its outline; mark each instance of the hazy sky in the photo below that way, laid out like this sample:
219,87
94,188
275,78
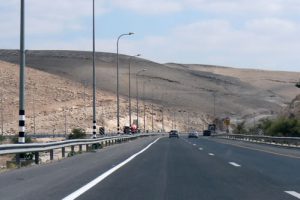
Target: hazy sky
261,34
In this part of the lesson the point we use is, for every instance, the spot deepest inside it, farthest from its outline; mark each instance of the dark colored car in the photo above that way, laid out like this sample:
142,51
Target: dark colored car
173,133
126,130
193,135
206,133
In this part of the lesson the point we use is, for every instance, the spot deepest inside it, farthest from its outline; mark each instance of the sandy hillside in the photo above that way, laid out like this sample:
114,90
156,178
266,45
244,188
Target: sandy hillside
53,99
182,90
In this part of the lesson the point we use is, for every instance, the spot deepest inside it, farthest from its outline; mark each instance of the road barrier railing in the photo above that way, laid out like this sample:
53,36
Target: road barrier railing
51,146
283,141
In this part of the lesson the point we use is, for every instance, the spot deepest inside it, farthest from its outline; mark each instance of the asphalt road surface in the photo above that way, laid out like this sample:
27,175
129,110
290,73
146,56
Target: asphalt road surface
152,168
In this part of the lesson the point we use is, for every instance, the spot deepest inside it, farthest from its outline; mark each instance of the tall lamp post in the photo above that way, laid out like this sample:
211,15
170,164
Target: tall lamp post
144,107
129,83
94,76
118,100
21,138
137,97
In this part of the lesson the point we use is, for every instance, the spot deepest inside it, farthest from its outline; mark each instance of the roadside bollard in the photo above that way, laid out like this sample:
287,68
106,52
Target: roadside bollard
51,154
63,152
36,157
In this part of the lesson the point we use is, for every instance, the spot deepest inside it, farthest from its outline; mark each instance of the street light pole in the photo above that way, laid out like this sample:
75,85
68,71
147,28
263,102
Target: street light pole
214,105
137,97
21,138
162,119
2,123
129,82
94,75
65,121
33,101
144,107
152,111
118,100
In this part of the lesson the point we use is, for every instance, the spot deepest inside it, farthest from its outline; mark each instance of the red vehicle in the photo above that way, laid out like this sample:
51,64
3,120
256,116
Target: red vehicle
134,128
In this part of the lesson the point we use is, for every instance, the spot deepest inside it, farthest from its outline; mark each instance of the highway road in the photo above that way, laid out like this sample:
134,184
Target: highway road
163,168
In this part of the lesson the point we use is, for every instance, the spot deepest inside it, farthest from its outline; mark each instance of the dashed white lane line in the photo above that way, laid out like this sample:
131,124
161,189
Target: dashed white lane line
294,194
200,149
100,178
234,164
211,154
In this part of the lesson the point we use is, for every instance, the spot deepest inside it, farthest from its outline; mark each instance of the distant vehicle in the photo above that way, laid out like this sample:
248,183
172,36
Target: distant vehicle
212,127
134,128
126,130
173,133
193,135
206,133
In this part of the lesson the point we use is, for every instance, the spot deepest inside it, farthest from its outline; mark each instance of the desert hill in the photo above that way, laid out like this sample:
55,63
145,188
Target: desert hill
181,89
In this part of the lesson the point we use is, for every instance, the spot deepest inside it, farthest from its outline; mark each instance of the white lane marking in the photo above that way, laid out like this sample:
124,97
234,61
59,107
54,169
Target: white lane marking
200,149
194,144
100,178
234,164
211,154
293,193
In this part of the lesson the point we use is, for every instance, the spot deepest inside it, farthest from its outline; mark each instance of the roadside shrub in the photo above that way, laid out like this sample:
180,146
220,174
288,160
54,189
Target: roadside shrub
2,138
77,133
287,127
14,140
240,128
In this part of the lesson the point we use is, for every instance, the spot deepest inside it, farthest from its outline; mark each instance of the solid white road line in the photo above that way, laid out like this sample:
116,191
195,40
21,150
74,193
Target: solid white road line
211,154
234,164
293,193
200,149
100,178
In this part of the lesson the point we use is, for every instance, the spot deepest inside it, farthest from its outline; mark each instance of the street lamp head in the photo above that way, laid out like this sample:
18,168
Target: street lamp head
130,33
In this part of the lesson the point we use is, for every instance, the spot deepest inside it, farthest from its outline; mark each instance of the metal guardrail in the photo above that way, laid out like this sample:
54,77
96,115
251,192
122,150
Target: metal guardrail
285,141
34,147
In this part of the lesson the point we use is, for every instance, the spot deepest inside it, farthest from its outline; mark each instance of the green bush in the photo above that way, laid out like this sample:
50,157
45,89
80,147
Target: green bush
77,133
15,140
284,127
240,128
2,138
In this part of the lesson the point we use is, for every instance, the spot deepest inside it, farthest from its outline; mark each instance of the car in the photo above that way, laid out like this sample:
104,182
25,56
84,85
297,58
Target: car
126,130
206,133
193,135
173,133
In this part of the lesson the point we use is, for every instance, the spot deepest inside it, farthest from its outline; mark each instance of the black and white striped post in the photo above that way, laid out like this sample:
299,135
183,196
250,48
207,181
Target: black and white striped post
21,138
94,76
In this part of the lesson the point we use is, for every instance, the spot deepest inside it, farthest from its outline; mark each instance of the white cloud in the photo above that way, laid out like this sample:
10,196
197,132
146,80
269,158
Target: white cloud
47,17
238,7
150,7
267,32
257,44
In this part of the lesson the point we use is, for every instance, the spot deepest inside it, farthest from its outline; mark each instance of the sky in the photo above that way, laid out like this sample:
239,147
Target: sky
261,34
